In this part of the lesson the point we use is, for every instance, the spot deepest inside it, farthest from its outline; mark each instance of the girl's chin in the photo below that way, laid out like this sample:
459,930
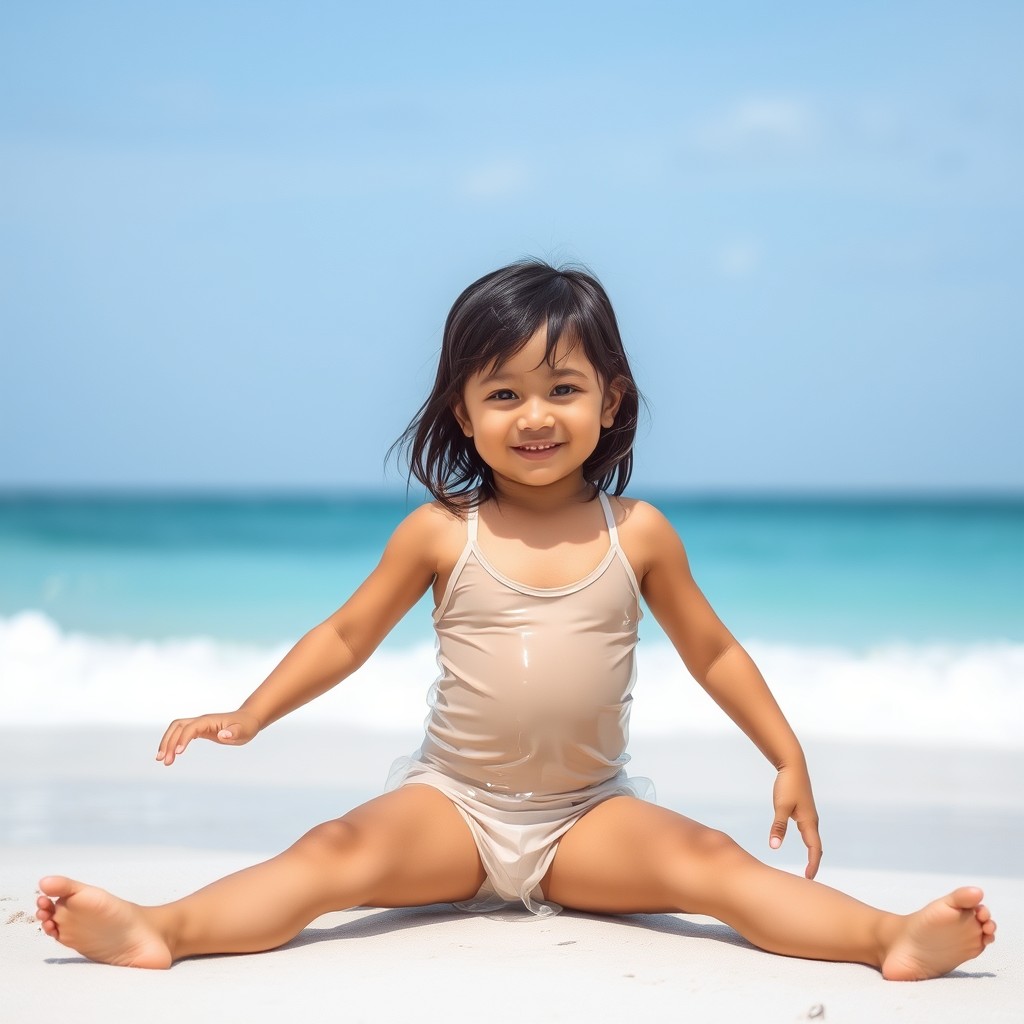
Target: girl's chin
530,477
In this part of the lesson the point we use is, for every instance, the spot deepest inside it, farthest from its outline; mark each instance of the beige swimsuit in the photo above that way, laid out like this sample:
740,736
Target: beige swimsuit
529,717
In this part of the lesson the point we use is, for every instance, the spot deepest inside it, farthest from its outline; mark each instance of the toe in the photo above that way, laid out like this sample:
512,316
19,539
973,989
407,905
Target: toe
982,913
967,897
59,887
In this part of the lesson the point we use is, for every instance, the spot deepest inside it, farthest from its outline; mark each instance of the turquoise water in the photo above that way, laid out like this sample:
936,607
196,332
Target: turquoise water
850,572
861,572
871,619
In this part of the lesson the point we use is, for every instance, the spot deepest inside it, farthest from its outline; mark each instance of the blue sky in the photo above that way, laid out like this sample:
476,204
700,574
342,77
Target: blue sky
230,233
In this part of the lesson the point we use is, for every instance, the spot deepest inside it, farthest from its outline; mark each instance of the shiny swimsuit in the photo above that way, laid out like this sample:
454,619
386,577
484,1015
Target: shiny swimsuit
529,717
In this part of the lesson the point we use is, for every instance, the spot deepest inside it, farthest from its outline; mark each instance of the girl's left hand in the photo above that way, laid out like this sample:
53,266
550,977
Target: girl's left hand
793,798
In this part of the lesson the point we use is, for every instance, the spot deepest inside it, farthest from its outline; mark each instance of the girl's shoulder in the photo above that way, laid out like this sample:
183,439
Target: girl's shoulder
431,532
645,533
638,516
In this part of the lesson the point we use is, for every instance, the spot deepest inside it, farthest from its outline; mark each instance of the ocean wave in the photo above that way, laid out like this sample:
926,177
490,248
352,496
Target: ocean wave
963,694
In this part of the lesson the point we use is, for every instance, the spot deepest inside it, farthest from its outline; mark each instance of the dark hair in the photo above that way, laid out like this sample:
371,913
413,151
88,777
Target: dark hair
489,323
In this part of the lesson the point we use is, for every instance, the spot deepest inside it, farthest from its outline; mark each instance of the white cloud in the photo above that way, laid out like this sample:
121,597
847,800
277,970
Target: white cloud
495,180
186,100
738,258
758,123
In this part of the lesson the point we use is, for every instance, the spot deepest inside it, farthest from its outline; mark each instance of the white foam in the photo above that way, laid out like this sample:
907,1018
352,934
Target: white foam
921,694
963,695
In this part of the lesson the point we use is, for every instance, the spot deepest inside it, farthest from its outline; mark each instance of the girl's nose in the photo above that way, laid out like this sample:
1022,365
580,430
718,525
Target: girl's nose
535,416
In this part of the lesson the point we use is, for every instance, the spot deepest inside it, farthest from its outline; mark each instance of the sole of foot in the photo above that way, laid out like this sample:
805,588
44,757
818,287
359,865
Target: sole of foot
98,925
939,937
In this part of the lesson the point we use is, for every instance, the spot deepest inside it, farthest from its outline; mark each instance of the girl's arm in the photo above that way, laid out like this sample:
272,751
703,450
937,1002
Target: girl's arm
717,661
332,650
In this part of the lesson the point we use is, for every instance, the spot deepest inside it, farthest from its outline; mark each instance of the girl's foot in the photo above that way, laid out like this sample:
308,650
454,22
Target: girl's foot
939,937
98,925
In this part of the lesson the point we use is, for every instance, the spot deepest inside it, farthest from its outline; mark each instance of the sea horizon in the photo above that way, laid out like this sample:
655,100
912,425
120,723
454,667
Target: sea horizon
870,494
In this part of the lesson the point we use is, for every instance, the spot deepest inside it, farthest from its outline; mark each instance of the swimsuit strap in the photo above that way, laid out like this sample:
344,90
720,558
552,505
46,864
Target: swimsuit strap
609,518
471,522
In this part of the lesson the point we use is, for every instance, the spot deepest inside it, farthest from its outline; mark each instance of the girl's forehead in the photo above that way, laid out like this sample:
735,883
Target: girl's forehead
534,357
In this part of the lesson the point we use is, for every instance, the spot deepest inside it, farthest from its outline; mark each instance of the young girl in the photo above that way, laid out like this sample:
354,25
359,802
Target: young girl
518,791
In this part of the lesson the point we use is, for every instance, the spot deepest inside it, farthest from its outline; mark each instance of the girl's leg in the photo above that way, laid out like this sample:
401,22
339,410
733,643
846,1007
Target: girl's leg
628,856
409,847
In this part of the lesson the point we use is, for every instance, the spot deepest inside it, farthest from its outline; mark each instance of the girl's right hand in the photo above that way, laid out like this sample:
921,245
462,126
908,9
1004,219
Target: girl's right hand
232,729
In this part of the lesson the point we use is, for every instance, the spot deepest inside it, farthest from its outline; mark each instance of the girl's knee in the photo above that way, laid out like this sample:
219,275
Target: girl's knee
340,847
699,859
347,856
330,838
714,846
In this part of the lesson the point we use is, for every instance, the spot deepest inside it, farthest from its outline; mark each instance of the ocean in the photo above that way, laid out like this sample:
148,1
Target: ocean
872,618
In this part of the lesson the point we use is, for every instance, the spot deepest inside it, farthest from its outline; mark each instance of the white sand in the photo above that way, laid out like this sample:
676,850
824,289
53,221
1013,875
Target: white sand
437,964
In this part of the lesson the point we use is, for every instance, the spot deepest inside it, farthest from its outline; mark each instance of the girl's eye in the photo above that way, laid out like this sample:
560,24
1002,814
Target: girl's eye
561,390
503,395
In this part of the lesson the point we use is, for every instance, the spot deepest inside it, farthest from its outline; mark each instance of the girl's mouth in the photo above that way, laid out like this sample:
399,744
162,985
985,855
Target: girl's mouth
540,450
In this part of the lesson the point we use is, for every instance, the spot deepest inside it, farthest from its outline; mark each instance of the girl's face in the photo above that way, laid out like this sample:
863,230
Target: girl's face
535,424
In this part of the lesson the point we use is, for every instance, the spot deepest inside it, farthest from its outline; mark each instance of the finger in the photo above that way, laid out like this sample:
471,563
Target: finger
197,728
182,737
813,861
778,830
165,740
812,840
169,745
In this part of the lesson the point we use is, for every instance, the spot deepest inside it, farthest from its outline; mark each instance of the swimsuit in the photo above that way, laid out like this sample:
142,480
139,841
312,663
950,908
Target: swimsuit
529,717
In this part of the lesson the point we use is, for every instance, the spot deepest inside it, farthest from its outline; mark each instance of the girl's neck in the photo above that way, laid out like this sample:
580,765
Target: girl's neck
549,498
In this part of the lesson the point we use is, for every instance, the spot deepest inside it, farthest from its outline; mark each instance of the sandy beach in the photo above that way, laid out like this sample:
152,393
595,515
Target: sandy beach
901,826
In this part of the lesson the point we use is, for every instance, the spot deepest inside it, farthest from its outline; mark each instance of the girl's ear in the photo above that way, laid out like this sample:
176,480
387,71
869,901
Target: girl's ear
610,405
459,411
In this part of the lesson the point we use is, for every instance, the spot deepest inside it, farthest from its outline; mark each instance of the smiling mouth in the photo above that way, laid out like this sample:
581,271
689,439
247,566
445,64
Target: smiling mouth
537,447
